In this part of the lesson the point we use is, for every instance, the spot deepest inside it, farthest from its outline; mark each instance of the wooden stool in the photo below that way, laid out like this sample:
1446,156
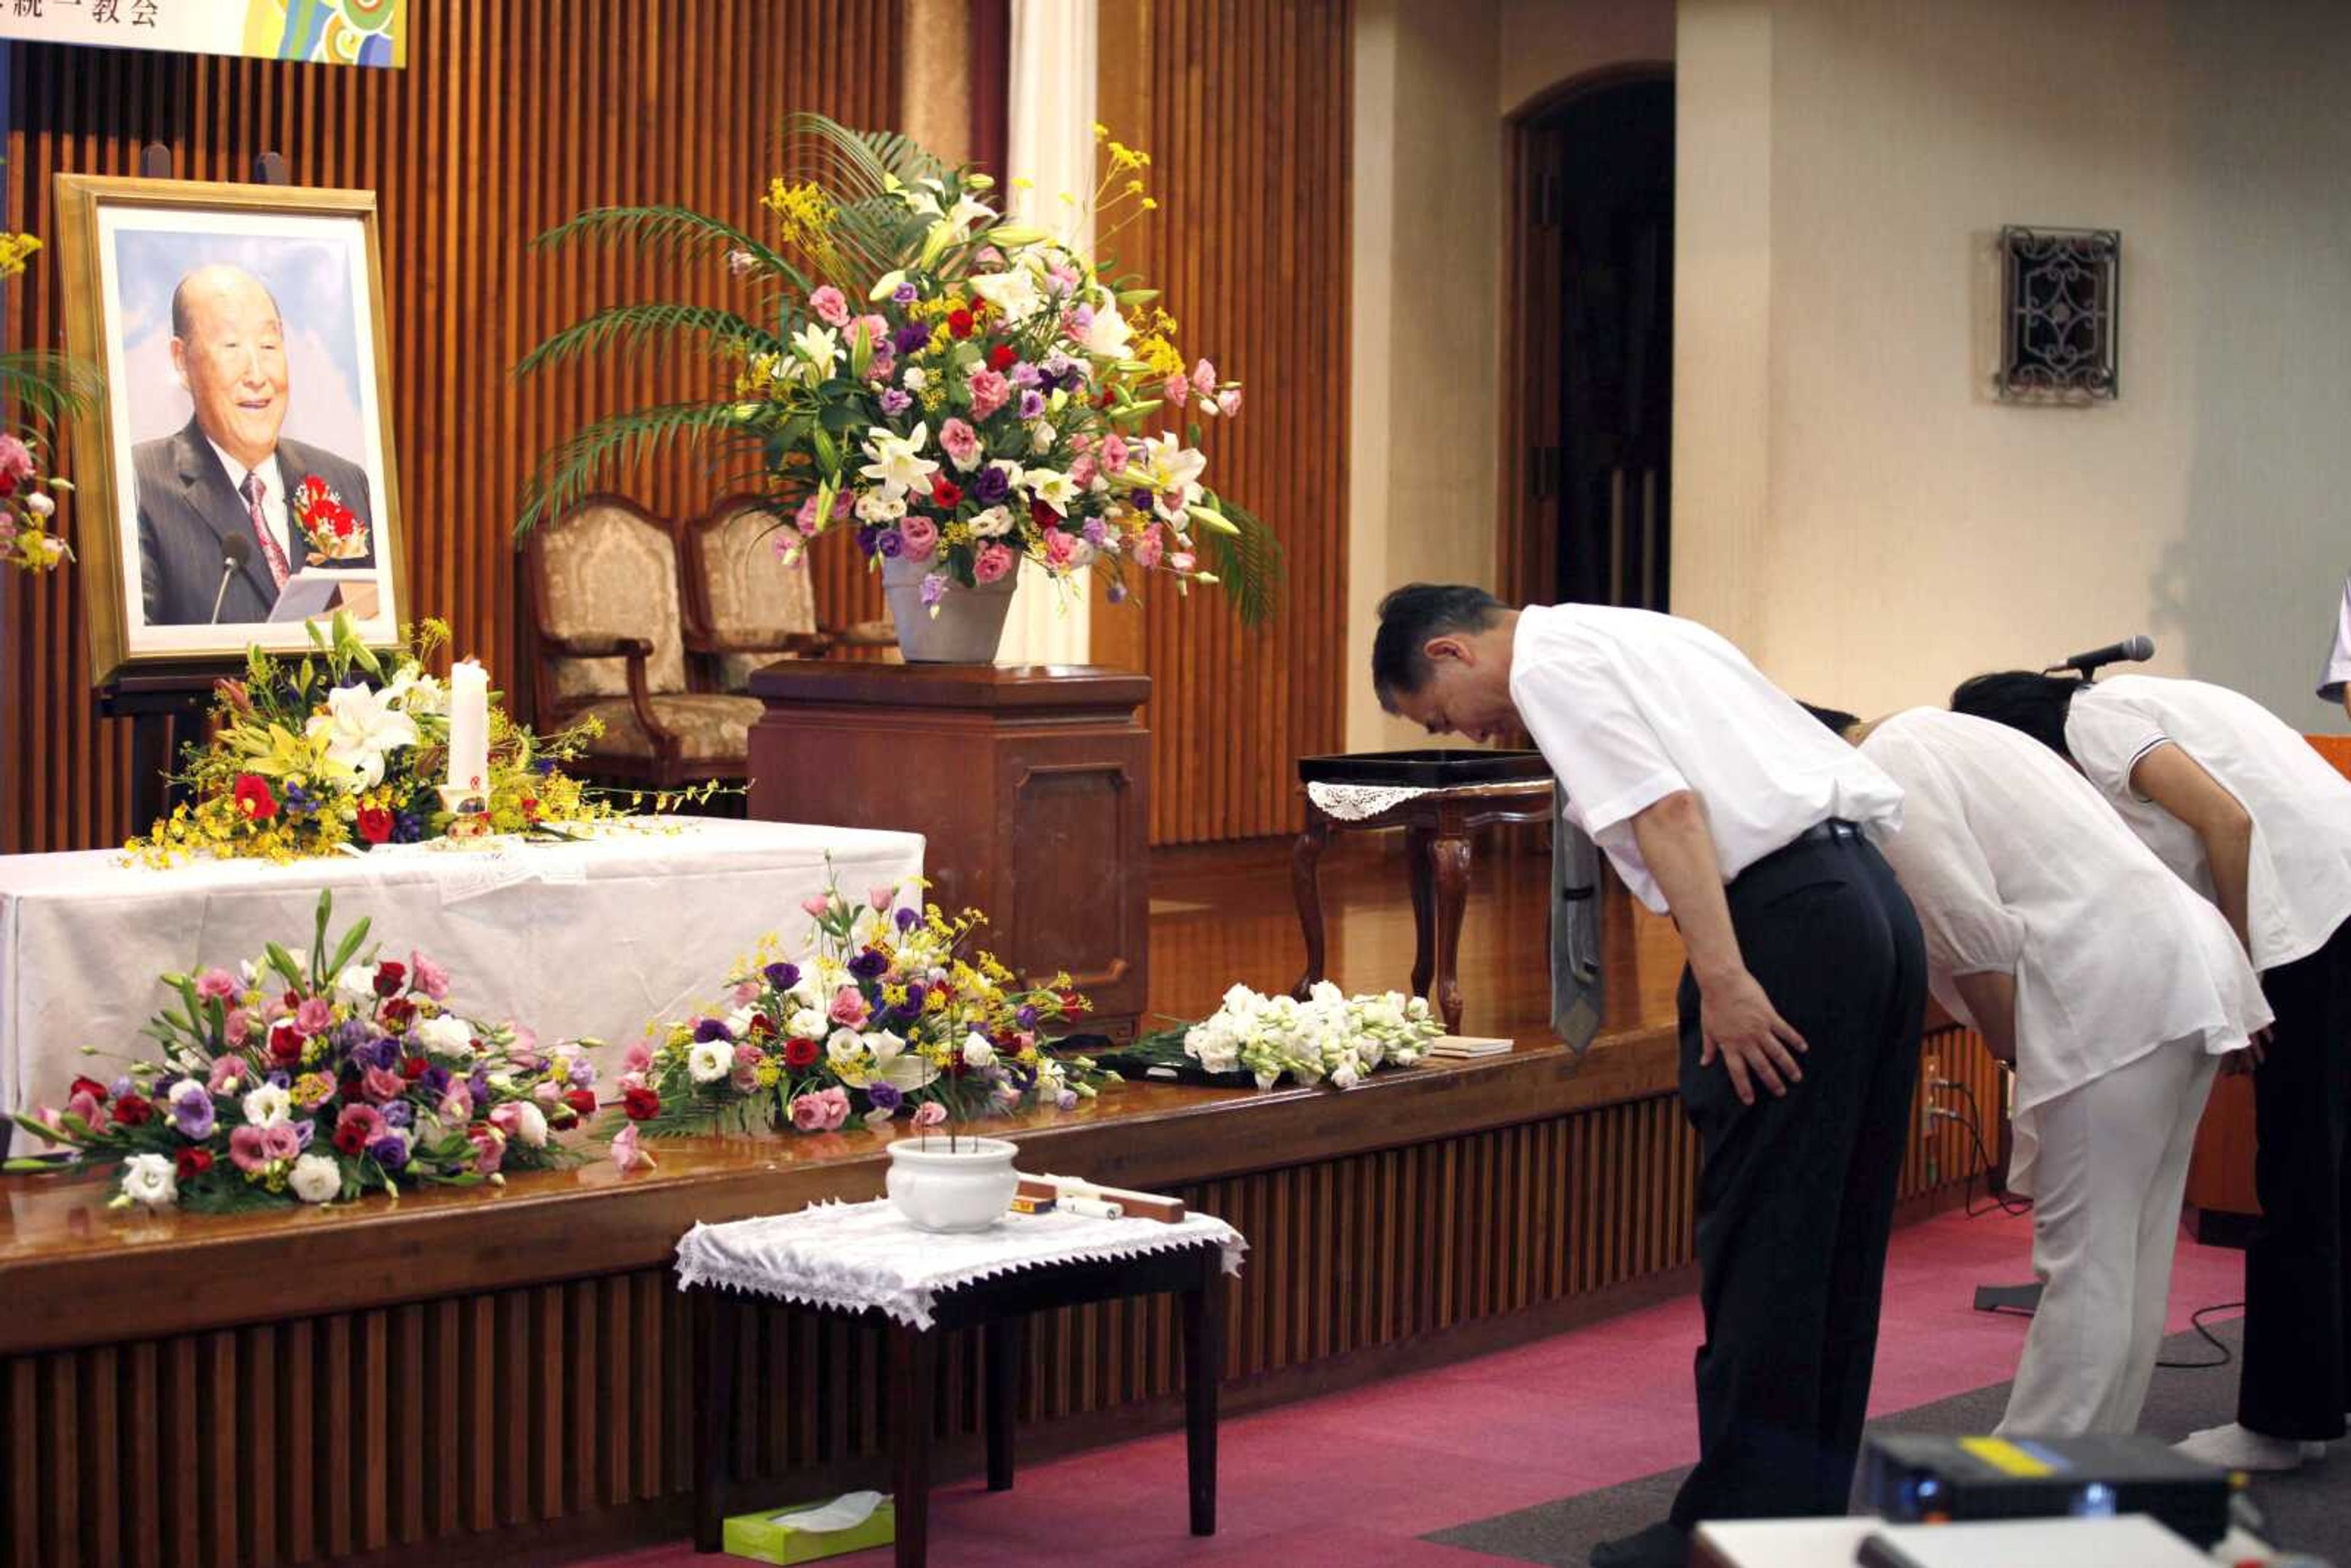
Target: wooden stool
1437,825
998,1308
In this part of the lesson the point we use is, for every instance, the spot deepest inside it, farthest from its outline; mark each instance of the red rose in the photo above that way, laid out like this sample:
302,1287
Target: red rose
643,1104
374,825
397,1012
89,1086
7,482
315,490
1043,516
1003,357
132,1110
945,495
286,1044
350,1136
254,799
582,1100
412,1067
343,522
194,1162
390,976
799,1053
959,323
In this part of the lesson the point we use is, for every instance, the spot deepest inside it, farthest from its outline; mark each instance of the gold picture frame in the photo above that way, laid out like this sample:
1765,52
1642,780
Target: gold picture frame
214,383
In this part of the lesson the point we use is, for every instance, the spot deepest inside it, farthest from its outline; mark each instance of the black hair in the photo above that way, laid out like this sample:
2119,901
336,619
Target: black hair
1409,617
1836,718
2036,704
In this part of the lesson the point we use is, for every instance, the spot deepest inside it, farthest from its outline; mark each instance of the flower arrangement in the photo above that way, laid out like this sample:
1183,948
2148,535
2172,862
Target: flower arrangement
315,1077
331,529
346,748
956,391
50,387
892,1013
1329,1038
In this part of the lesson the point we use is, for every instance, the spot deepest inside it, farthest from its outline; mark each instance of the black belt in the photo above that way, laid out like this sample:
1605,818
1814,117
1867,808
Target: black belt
1828,832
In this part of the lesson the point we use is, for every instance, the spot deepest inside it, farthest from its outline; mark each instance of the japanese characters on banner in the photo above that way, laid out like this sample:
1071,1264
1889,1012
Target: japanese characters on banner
326,32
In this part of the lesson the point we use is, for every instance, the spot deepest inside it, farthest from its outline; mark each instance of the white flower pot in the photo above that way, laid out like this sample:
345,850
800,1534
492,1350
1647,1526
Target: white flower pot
966,1188
968,625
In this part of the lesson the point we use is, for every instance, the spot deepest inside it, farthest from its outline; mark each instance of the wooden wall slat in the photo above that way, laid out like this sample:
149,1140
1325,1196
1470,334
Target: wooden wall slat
507,119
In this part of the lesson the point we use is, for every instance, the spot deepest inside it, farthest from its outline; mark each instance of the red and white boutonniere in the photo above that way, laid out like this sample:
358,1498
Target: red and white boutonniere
331,529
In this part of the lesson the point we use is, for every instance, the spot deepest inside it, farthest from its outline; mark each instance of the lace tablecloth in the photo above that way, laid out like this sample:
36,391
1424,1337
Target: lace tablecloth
1359,802
856,1256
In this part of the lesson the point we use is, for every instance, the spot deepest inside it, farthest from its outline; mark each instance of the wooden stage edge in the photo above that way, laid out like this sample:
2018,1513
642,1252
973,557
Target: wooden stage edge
290,1388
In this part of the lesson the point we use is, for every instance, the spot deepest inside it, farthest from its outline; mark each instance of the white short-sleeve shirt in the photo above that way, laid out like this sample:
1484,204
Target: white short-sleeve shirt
2337,674
2015,865
2298,883
1629,706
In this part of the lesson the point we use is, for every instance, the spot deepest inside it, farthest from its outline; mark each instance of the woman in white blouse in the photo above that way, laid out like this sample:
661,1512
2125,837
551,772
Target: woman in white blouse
2247,813
2112,991
2335,680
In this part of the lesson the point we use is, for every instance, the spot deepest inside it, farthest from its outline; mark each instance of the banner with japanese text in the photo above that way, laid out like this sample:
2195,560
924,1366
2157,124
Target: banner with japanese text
326,32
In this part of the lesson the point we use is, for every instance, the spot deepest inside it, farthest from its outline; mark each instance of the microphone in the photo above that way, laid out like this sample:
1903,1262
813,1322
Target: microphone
236,550
2130,650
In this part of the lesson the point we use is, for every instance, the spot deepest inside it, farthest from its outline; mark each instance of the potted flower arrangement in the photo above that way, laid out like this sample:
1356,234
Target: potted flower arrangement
314,1077
957,391
49,387
347,749
892,1013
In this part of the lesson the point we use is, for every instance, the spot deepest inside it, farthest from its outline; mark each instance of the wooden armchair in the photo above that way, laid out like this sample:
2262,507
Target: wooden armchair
611,645
745,608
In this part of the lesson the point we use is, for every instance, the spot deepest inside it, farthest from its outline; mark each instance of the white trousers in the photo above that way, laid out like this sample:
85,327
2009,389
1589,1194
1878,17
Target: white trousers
2112,1167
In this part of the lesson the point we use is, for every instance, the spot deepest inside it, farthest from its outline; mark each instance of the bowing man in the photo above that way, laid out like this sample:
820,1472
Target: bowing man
2112,991
1720,803
2245,811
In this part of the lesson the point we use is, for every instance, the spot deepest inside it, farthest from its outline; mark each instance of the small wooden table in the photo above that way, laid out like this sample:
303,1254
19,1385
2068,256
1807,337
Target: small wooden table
1000,1308
1437,825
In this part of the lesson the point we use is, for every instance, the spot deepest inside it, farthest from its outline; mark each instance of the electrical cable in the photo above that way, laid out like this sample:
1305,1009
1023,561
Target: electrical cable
2000,1201
2196,1322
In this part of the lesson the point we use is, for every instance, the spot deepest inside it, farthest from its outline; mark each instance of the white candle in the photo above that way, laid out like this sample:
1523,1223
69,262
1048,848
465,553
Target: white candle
469,727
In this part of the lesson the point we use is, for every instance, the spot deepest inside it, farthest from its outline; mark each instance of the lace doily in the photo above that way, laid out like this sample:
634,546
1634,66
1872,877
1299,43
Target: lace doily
1353,802
853,1255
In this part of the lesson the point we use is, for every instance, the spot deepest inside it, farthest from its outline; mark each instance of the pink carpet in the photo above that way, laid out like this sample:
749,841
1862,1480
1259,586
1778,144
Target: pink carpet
1397,1460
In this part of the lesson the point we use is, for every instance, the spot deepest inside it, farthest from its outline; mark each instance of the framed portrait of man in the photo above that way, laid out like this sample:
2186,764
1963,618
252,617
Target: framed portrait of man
238,481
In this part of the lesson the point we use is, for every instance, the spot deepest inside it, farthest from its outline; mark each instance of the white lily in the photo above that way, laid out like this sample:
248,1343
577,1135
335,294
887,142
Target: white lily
820,345
1173,471
1107,335
1015,293
886,285
898,464
1057,490
359,727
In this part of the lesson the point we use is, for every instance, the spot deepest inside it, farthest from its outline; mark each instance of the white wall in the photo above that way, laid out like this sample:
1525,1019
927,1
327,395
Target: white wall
1546,42
1850,502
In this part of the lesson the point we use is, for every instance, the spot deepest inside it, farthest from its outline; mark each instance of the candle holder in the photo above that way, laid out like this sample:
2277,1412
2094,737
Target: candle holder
469,808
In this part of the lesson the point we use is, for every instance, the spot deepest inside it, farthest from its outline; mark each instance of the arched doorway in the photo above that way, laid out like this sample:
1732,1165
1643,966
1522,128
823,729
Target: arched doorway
1586,513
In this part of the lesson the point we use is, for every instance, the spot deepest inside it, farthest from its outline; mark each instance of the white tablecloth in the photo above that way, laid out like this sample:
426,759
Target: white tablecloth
596,938
855,1256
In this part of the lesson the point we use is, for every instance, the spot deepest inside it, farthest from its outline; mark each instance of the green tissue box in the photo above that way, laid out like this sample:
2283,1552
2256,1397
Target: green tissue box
812,1531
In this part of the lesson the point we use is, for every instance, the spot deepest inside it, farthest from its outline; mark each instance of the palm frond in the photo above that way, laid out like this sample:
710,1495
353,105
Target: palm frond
852,163
674,230
1248,563
661,324
50,386
571,471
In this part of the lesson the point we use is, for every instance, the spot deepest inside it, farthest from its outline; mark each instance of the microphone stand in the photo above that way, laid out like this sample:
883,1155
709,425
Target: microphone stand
228,569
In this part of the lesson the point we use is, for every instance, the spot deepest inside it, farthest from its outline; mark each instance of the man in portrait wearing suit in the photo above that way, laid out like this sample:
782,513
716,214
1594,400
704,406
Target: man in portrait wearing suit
228,474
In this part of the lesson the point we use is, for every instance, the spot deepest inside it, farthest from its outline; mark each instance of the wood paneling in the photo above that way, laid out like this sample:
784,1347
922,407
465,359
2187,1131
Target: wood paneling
1245,108
508,119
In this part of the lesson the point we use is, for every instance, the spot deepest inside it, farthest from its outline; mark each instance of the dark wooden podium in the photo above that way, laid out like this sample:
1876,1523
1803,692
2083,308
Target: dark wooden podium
1030,786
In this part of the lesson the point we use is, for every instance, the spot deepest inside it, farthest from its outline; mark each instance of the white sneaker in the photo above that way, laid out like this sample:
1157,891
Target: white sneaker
2235,1447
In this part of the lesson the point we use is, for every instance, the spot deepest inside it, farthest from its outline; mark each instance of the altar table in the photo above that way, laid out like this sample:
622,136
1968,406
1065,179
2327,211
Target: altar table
596,938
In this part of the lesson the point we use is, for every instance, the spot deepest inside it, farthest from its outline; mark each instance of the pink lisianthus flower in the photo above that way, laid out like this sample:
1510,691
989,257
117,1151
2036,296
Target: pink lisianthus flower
522,1122
547,1091
746,993
629,1081
237,1027
216,983
961,443
1114,454
822,1111
637,1058
989,392
280,1142
921,537
881,895
816,906
16,463
831,306
848,1009
626,1154
1230,401
1083,471
425,975
225,1070
992,563
363,1121
314,1016
789,541
930,1114
749,1056
1177,391
83,1105
489,1147
382,1086
1060,549
246,1149
877,329
457,1107
835,1104
742,1080
1149,546
1181,561
1204,378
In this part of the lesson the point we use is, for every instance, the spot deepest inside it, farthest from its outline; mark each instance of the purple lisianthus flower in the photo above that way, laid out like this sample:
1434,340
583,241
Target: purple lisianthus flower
869,965
889,544
869,540
904,294
350,1035
1025,1018
784,976
304,1130
910,339
935,588
282,1079
708,1029
917,994
1032,404
120,1087
895,402
907,920
990,486
1116,593
583,1073
1094,531
1067,1100
1139,500
478,1085
1024,374
883,1097
193,1115
398,1114
434,1081
390,1152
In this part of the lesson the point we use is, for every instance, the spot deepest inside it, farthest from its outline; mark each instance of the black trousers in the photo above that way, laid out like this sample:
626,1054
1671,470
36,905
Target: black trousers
2297,1303
1796,1195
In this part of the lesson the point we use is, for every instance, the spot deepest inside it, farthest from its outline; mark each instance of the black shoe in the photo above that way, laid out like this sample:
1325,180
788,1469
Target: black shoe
1664,1544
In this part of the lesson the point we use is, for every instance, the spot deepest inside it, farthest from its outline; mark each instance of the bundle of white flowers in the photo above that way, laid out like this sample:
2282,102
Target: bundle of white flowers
1329,1037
